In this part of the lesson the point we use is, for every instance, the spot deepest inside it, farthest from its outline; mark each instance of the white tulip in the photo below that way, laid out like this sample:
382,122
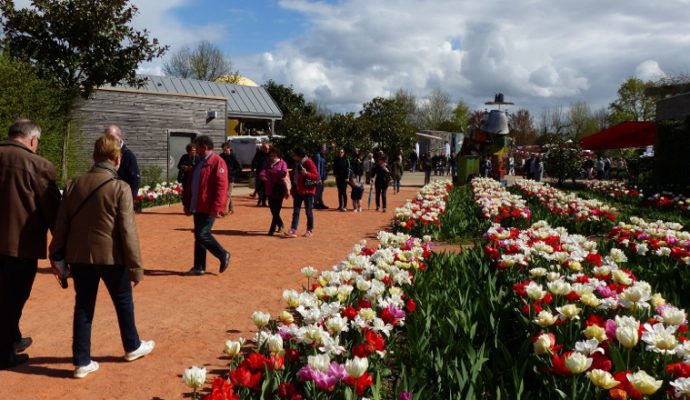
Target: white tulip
233,347
578,363
260,318
357,367
275,344
319,362
194,377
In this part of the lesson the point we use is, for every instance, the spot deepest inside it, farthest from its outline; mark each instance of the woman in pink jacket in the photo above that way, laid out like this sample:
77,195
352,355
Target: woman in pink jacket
273,177
305,178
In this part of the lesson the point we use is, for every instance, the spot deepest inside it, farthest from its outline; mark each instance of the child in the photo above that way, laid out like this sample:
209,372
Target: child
356,194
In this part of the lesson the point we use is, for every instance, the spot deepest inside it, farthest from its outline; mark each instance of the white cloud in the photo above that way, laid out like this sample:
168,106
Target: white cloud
649,70
540,53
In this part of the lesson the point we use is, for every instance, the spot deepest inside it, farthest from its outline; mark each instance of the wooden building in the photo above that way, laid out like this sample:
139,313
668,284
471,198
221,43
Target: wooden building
159,119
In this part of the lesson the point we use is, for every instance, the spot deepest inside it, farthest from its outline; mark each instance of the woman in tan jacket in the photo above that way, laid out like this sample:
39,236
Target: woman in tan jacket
96,235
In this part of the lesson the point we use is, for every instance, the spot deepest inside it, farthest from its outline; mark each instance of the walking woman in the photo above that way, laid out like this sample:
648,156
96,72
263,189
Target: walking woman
305,178
381,176
96,235
274,178
396,173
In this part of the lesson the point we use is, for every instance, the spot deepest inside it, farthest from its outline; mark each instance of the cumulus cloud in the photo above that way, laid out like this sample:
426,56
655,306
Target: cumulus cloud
539,53
649,70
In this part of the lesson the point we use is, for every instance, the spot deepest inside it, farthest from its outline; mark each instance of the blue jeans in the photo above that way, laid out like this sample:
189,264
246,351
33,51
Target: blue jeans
396,185
16,280
204,240
318,197
297,200
86,280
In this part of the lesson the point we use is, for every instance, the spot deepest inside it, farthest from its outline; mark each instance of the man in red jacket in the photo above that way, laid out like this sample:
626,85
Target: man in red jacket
205,197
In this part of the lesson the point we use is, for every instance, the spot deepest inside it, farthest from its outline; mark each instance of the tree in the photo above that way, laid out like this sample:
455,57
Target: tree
205,62
78,46
562,160
385,122
581,121
553,120
346,131
302,123
28,96
522,128
633,104
436,110
460,119
408,101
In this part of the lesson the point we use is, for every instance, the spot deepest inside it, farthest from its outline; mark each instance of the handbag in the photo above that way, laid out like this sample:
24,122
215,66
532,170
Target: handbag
311,183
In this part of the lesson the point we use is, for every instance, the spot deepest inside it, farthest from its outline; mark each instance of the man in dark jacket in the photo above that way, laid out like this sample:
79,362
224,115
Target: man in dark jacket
341,170
30,200
129,168
322,167
234,168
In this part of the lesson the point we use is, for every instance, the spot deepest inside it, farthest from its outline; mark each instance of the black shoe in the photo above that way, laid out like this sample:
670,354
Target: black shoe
195,272
22,345
324,207
15,360
225,262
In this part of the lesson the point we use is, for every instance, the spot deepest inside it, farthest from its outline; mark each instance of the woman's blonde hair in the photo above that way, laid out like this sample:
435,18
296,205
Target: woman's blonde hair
106,148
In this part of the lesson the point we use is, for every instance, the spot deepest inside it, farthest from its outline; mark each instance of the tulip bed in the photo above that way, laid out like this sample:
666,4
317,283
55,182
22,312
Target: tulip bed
615,189
338,337
499,205
661,252
587,315
569,210
421,216
162,194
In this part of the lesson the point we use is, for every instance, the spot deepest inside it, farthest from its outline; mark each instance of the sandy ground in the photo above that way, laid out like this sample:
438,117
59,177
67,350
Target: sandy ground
189,317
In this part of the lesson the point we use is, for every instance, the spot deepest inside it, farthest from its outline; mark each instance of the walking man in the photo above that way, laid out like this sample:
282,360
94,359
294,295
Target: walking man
129,168
31,198
234,169
322,167
206,200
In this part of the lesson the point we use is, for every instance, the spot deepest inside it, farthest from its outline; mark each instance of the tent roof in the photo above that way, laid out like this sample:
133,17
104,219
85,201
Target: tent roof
621,136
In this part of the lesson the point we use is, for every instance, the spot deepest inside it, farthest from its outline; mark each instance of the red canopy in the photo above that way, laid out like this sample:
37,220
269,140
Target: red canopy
621,136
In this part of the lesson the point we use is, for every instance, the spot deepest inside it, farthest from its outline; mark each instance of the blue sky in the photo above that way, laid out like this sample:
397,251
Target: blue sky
252,26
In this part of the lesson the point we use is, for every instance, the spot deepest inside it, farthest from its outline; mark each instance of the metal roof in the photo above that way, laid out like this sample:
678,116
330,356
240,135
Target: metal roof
243,101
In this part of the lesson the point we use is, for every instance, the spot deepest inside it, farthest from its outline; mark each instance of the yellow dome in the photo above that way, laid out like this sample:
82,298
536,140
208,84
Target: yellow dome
237,80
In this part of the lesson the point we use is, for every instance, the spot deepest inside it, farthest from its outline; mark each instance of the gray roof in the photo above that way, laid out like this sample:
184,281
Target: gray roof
243,101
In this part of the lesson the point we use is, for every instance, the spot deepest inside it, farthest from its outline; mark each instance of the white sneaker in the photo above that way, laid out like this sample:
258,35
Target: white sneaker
145,348
81,372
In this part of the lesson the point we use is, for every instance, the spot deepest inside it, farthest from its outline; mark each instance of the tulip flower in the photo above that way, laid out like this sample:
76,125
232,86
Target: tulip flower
194,378
578,363
602,379
644,383
233,347
356,367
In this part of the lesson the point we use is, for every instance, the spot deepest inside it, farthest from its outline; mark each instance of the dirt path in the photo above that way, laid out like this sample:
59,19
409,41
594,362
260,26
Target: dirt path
189,317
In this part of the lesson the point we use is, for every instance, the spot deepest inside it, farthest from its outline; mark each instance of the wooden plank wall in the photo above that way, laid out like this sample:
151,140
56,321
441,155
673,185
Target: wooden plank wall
676,107
146,118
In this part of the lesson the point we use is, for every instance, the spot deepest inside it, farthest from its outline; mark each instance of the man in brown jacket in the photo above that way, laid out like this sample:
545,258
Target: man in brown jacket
29,199
96,235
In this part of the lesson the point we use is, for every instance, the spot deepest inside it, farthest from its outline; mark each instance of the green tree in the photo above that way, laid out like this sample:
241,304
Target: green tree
460,119
562,160
78,46
385,122
27,96
346,131
633,104
302,123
